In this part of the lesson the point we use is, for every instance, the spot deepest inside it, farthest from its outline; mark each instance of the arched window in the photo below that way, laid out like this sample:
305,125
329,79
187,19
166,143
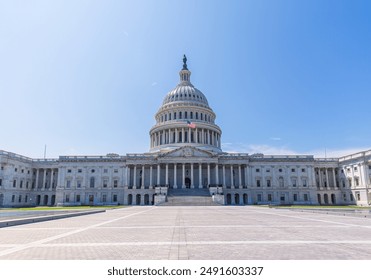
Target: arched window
165,118
185,115
180,115
196,115
174,115
169,116
191,115
202,116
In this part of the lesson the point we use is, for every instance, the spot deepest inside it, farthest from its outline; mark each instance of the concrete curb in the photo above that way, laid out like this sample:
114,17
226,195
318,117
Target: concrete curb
29,220
358,213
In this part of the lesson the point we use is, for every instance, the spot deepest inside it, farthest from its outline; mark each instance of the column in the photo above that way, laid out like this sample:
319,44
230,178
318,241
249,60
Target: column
127,176
51,178
196,136
246,181
327,180
150,176
175,185
169,134
320,178
167,175
199,175
183,175
189,135
208,137
334,177
176,135
208,175
143,176
183,140
192,185
203,137
224,185
158,175
44,179
239,176
217,174
135,177
232,183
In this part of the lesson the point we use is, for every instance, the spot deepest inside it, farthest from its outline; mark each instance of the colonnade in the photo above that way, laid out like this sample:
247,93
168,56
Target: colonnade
45,178
327,177
186,135
186,175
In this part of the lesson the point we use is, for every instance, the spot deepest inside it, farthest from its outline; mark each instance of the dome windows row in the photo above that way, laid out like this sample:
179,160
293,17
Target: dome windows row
185,115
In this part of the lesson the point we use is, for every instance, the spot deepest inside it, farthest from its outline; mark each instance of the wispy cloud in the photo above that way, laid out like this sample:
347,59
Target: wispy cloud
276,138
153,84
284,150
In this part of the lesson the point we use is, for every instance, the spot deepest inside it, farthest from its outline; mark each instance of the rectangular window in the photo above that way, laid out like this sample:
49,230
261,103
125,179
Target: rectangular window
351,197
114,198
104,198
115,183
79,170
79,183
268,183
294,182
26,198
69,171
269,197
293,170
67,198
356,182
68,184
303,170
21,184
259,197
20,198
14,183
115,171
355,168
304,182
268,170
345,197
358,195
295,197
105,170
27,185
258,183
78,198
105,183
257,170
13,198
280,170
306,197
1,182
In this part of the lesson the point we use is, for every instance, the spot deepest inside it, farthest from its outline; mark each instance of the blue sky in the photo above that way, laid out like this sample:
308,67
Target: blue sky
87,77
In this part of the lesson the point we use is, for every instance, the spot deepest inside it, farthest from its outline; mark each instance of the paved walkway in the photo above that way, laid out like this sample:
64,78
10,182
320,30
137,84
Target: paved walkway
216,232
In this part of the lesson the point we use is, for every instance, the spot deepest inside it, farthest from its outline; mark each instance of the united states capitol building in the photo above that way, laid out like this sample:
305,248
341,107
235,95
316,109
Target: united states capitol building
185,163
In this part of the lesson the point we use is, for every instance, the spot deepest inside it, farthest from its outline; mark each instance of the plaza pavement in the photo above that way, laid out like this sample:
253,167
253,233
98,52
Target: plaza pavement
184,232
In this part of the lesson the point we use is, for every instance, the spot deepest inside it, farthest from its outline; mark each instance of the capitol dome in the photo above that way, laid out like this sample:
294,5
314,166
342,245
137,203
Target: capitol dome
185,119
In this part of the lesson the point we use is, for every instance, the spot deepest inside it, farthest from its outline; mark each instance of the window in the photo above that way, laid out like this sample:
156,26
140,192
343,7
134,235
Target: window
351,197
258,183
1,182
105,170
115,171
27,185
21,184
355,168
295,197
306,197
2,168
28,171
13,198
281,182
79,170
93,171
350,182
280,170
356,182
358,195
268,170
104,198
115,183
15,169
114,199
196,115
68,184
344,197
169,116
69,170
14,183
180,115
92,182
268,183
292,169
67,198
26,198
304,182
105,183
293,182
269,197
78,198
20,198
185,115
78,183
259,197
257,170
201,116
303,170
22,171
174,115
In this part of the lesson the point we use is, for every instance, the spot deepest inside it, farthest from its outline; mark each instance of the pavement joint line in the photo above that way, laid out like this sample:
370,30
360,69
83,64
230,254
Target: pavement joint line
311,219
187,243
52,238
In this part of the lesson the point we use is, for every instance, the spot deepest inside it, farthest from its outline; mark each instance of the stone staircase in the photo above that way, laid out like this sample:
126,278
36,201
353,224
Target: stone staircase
189,197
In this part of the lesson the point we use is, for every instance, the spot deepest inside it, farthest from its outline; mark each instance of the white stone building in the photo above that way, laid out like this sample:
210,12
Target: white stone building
185,154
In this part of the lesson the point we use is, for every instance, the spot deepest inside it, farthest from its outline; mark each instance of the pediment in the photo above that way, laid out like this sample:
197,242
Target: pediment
188,152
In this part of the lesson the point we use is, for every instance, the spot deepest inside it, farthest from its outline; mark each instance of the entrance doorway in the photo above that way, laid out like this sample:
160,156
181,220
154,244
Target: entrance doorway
91,199
187,183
